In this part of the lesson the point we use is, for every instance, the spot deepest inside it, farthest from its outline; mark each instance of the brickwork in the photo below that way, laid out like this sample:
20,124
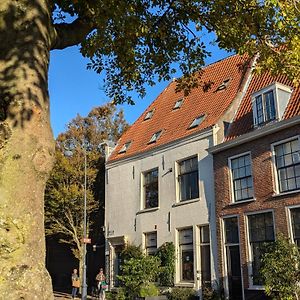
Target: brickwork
264,191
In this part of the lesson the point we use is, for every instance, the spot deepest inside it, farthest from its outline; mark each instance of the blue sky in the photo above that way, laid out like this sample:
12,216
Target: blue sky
76,90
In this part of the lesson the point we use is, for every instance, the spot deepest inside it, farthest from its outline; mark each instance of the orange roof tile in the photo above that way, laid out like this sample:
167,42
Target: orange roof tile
174,123
243,121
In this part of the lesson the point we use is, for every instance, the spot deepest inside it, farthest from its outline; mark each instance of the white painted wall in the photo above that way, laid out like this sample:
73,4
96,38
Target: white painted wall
123,214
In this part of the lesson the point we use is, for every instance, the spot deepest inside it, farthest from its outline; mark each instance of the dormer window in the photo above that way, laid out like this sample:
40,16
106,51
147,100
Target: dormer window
149,114
178,103
270,103
224,84
197,121
155,137
125,147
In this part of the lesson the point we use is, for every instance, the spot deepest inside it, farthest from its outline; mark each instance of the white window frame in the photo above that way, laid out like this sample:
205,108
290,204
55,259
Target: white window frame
249,252
142,190
155,136
149,114
224,256
272,87
178,275
125,147
197,121
198,241
178,103
231,185
176,173
145,240
274,168
289,220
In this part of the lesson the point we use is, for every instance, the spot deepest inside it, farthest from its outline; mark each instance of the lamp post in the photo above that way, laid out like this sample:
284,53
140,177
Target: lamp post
84,285
84,240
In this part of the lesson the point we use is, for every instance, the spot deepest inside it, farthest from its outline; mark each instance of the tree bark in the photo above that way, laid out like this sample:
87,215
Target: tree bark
26,148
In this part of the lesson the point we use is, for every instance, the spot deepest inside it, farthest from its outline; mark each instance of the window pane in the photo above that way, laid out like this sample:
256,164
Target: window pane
151,188
204,234
187,265
257,251
242,177
270,106
186,254
151,243
261,227
205,265
295,214
186,236
188,165
288,165
259,109
261,231
231,230
188,179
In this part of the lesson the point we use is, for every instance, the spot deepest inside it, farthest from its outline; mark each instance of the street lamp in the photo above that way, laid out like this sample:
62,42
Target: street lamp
84,240
108,145
84,285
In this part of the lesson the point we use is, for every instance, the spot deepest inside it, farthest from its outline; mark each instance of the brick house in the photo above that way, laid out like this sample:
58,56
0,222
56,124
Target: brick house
159,178
257,182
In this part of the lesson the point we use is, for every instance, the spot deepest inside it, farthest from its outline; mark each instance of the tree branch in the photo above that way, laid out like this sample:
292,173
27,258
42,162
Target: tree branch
69,34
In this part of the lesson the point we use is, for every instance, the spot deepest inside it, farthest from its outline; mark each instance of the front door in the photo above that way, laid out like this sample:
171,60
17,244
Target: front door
234,272
233,263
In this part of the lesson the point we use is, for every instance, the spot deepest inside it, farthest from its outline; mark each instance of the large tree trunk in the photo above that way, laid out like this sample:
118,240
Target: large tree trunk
26,148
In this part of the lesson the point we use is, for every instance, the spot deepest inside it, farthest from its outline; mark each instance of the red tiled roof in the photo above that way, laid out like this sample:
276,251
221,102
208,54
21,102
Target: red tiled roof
174,123
243,121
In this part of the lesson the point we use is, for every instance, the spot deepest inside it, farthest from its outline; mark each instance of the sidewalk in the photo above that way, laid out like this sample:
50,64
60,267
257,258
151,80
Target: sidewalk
64,296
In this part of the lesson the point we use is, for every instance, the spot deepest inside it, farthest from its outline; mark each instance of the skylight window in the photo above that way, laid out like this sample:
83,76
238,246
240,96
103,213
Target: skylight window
149,114
125,147
155,137
197,121
224,84
178,103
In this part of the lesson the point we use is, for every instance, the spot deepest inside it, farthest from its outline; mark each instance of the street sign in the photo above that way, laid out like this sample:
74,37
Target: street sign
86,240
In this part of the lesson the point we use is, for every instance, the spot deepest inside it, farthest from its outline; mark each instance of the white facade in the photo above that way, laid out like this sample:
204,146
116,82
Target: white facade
127,221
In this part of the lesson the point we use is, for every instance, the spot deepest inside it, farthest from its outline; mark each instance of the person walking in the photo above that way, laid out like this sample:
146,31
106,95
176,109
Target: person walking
75,283
101,284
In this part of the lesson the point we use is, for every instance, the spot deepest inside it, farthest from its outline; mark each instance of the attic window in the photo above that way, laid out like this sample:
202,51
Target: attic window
149,114
224,84
269,103
125,147
178,103
196,121
155,137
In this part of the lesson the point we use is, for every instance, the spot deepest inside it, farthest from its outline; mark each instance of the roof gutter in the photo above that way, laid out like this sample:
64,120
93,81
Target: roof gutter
253,135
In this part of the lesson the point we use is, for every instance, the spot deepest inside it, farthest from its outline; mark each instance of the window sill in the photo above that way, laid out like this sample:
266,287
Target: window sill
185,284
256,288
184,202
241,202
276,195
147,210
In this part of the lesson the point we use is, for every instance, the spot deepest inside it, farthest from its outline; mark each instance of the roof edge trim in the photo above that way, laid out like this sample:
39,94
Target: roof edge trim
186,139
255,134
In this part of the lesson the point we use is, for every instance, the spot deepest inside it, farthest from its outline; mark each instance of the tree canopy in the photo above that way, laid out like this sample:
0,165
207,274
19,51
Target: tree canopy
64,189
134,41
